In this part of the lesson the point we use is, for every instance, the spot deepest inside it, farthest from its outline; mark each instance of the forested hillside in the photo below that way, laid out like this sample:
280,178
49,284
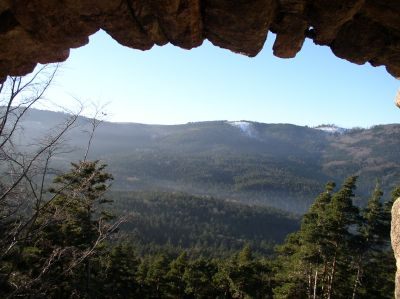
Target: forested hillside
278,165
203,226
72,248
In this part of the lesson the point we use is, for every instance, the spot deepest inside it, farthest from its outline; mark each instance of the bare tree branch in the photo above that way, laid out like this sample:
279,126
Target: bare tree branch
38,154
95,121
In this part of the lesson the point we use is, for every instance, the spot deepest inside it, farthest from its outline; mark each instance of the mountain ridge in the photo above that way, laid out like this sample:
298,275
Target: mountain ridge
280,165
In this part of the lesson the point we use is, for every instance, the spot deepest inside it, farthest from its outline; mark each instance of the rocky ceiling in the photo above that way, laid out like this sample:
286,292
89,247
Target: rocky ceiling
44,31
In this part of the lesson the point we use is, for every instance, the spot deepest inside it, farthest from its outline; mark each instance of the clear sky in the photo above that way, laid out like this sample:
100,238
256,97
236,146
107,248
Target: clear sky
169,85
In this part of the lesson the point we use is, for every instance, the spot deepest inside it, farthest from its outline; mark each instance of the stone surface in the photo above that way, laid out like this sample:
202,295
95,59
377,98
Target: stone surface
395,237
354,39
42,31
327,17
240,26
290,27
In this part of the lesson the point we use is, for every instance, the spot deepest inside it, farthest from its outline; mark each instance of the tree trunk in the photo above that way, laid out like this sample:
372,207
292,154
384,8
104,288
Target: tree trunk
315,284
330,284
88,278
309,282
357,280
323,279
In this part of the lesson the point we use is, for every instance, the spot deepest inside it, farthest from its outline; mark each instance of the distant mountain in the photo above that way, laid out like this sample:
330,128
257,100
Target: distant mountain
279,165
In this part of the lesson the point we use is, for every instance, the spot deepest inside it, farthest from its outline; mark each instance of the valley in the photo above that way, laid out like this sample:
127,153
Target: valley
275,165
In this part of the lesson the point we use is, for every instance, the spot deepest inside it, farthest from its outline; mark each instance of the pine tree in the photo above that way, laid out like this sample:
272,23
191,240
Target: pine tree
368,237
243,274
157,276
175,276
316,247
312,260
290,279
372,250
118,272
341,216
305,255
222,280
71,228
141,278
198,278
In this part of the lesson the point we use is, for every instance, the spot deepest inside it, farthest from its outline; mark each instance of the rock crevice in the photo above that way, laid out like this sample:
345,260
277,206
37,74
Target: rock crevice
395,238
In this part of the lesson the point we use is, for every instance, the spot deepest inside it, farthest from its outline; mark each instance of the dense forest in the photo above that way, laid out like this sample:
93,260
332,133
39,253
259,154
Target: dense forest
279,165
77,251
201,225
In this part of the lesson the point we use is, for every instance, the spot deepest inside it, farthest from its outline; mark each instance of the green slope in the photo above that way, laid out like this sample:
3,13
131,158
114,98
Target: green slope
207,225
279,165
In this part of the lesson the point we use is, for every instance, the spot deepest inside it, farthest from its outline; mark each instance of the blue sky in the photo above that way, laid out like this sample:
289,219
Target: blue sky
169,85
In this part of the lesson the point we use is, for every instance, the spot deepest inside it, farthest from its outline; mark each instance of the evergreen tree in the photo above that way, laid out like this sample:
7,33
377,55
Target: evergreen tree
342,215
157,276
290,280
118,272
316,248
141,278
71,228
175,276
243,274
313,259
339,251
199,277
222,280
303,259
372,248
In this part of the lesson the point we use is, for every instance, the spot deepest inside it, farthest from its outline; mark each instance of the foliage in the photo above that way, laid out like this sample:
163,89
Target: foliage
69,232
340,251
200,225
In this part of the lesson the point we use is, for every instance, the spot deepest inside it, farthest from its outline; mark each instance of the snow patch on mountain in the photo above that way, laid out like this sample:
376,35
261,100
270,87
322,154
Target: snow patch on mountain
332,129
246,127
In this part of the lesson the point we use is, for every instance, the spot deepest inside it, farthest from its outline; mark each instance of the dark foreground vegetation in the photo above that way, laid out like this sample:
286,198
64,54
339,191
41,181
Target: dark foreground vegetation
73,250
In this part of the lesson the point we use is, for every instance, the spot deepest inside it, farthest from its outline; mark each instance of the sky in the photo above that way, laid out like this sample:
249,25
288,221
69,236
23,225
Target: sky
169,85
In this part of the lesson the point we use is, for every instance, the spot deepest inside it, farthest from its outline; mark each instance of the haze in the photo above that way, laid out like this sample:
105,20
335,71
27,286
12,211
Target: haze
168,85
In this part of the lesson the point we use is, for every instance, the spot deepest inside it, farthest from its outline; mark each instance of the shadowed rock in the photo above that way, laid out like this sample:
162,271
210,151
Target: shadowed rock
43,31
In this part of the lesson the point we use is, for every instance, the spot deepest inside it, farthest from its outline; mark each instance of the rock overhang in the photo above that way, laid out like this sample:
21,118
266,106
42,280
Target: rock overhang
44,31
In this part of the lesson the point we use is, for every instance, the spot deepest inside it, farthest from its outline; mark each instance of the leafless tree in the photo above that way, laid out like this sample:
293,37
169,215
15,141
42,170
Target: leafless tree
24,171
97,118
24,167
